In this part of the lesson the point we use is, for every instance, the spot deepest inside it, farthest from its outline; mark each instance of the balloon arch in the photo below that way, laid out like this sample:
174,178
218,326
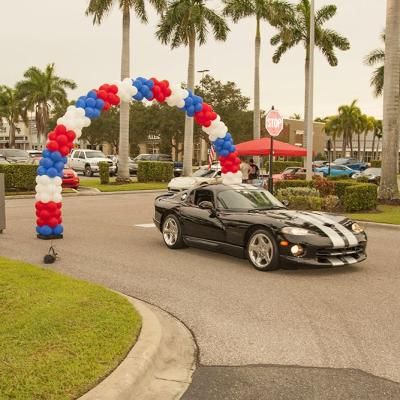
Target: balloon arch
69,128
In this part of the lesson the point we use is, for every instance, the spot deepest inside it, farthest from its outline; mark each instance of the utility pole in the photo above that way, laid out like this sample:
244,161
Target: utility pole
309,116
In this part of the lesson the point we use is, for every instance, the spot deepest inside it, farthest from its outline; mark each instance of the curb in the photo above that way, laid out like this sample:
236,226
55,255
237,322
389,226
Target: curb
379,225
159,366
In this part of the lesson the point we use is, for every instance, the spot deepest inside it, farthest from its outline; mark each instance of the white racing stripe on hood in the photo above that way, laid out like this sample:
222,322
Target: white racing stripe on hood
345,232
335,238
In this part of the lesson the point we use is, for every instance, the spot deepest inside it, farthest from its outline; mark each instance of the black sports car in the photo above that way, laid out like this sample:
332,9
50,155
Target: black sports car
249,222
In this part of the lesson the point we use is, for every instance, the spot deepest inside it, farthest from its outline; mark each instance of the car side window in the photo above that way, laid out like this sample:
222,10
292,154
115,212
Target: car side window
203,195
82,155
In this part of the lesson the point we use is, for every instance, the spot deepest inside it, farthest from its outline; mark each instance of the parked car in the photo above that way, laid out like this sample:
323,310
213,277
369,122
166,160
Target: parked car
352,163
290,173
249,222
319,163
4,161
16,156
156,157
373,175
336,170
115,160
87,161
70,178
203,175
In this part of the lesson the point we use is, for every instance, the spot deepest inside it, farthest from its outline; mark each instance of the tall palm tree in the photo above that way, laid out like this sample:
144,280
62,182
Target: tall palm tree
184,23
377,57
377,131
13,110
41,91
333,128
99,9
388,188
368,124
275,12
297,30
350,119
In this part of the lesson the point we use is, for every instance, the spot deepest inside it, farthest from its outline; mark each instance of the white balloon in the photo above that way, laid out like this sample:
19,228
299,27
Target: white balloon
57,198
45,197
57,180
232,178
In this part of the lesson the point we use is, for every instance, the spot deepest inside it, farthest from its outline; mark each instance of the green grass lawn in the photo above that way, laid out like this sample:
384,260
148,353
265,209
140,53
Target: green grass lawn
114,187
385,214
58,336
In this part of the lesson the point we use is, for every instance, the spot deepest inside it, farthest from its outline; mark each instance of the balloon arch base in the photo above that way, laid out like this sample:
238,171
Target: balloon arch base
69,128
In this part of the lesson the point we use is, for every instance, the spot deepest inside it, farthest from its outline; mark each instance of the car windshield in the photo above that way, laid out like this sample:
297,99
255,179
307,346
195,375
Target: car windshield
203,173
247,199
95,154
14,153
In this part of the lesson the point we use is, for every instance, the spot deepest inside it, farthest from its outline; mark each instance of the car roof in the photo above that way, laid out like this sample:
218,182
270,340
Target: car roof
220,187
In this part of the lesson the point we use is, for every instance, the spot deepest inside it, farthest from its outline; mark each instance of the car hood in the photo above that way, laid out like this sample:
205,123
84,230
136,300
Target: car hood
185,182
100,159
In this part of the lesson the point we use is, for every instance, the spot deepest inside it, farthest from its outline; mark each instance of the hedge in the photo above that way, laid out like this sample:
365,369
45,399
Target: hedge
104,170
19,177
280,166
360,197
155,171
292,183
341,186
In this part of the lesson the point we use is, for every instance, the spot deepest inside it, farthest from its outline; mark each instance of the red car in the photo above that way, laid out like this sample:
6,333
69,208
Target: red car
70,179
290,173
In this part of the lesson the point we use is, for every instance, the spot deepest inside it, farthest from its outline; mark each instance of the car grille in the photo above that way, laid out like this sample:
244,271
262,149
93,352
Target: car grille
324,254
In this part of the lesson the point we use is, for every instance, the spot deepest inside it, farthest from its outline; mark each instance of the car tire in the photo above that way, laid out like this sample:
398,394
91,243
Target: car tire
88,171
172,232
262,250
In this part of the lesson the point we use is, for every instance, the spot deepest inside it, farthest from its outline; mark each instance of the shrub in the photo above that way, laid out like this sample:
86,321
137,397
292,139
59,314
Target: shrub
360,197
19,177
340,187
305,202
376,163
362,179
325,187
292,183
338,178
280,166
297,191
104,173
155,171
331,203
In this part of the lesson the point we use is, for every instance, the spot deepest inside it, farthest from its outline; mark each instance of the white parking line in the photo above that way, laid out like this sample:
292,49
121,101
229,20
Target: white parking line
145,225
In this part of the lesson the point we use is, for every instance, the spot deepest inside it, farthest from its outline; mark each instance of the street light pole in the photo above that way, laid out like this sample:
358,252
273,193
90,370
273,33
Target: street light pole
310,111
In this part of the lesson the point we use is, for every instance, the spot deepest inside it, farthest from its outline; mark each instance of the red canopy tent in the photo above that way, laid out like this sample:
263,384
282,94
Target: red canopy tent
261,147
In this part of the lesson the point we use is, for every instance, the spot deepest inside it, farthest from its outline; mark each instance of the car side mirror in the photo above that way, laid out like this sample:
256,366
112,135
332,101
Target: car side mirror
285,203
206,205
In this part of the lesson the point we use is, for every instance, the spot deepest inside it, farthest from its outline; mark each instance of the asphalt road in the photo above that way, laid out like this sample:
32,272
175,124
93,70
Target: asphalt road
288,334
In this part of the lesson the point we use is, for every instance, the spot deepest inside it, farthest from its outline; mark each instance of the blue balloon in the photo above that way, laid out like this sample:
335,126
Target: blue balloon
100,104
228,135
138,96
149,96
145,90
188,101
38,229
59,166
96,113
58,230
46,153
80,103
65,160
150,84
45,230
227,146
56,156
42,171
92,94
224,153
233,149
61,174
89,112
90,102
198,107
46,162
52,172
138,84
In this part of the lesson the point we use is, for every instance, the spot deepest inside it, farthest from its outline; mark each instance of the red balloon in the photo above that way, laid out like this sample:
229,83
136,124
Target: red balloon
44,215
167,92
39,205
61,130
107,106
228,164
104,87
156,90
64,150
113,99
52,136
71,136
40,222
52,145
59,220
51,206
102,94
224,170
57,213
53,222
235,168
113,89
62,140
58,205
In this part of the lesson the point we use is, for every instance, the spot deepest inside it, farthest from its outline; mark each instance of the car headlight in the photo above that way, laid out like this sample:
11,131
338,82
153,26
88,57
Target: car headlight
290,230
356,228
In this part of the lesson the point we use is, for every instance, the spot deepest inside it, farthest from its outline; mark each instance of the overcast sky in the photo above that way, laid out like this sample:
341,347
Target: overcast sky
44,31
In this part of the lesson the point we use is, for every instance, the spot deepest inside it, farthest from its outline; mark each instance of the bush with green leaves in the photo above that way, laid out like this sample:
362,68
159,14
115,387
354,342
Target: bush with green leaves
155,171
297,191
280,166
19,177
304,202
340,187
331,203
362,179
360,197
323,185
104,171
338,178
292,183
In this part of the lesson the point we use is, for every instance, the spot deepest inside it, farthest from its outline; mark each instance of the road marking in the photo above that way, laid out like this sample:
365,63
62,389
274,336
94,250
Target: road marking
145,225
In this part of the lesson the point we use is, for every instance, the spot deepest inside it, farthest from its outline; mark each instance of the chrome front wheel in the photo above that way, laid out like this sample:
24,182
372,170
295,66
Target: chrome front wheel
262,251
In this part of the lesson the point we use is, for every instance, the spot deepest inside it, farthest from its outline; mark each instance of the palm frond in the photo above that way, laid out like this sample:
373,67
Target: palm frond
374,57
377,80
98,9
324,14
238,9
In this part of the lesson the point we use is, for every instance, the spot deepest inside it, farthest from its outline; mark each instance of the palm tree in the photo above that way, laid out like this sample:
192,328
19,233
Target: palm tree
41,91
350,120
388,188
12,109
333,129
275,12
377,57
297,30
368,124
99,9
377,130
297,116
184,23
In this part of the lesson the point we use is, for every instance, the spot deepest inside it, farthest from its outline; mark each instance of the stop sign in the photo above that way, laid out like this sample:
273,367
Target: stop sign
274,123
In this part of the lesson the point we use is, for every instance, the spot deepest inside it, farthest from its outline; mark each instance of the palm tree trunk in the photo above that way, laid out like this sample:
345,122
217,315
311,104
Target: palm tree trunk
388,188
256,114
12,134
123,167
188,138
373,147
359,146
334,147
351,144
344,143
365,145
306,85
377,149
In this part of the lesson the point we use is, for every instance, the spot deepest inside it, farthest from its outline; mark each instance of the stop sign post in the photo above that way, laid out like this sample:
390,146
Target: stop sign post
274,126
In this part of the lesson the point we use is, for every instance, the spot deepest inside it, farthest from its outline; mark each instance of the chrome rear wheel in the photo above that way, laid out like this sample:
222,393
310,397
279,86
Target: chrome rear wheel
171,231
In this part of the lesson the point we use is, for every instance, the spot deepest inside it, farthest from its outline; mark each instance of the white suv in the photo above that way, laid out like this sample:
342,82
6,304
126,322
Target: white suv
87,161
